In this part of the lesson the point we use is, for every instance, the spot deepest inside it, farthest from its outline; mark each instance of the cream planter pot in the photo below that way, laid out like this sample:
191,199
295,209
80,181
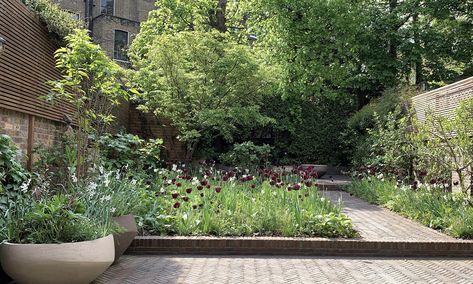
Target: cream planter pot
71,263
123,240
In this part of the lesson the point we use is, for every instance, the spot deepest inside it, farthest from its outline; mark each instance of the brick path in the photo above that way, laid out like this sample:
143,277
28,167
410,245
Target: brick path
379,224
194,269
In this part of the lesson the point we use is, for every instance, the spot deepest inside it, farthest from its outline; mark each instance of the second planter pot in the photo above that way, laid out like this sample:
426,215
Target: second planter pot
124,239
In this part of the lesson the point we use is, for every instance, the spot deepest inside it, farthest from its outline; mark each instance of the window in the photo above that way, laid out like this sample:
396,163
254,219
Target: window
120,45
107,7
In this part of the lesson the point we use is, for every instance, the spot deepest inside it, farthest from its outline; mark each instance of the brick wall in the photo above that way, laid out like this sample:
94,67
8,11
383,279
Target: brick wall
46,132
75,6
17,125
147,126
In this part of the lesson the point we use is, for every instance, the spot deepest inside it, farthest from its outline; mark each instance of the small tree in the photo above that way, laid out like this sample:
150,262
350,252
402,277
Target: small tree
204,83
446,144
90,82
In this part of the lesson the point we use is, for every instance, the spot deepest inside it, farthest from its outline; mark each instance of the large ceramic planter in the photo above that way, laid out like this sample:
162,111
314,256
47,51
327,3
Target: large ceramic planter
321,170
4,278
124,239
71,263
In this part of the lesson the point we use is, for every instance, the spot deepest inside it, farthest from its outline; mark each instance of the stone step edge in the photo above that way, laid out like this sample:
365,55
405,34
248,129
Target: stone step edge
298,247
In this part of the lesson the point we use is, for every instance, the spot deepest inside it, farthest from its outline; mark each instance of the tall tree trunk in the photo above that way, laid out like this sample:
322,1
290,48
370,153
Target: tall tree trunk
418,55
392,49
220,22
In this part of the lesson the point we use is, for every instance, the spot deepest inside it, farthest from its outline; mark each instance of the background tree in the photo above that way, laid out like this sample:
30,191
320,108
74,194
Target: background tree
328,59
206,84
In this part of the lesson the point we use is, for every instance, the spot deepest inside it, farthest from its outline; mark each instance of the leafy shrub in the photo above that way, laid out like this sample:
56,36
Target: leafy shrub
12,174
54,167
203,82
120,150
13,179
321,135
430,205
124,150
381,133
247,154
445,144
92,83
388,148
392,99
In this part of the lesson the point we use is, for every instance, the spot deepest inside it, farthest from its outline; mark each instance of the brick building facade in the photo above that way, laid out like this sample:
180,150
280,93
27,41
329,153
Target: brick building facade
113,23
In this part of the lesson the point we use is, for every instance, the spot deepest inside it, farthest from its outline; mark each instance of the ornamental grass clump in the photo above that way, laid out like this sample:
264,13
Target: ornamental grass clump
241,203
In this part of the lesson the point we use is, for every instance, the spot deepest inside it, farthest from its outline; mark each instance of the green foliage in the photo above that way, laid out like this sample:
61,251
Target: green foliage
54,167
314,41
205,84
92,83
58,21
12,174
14,179
320,134
55,220
247,155
315,49
123,151
174,16
382,131
247,206
388,102
390,147
445,144
450,213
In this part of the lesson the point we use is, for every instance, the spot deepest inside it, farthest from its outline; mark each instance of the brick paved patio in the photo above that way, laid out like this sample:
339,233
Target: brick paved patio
378,224
195,269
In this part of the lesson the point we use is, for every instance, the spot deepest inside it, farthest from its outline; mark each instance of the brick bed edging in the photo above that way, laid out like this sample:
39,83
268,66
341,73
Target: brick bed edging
297,247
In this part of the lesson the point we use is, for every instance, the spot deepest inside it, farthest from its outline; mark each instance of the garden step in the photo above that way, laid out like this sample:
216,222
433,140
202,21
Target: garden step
333,182
298,247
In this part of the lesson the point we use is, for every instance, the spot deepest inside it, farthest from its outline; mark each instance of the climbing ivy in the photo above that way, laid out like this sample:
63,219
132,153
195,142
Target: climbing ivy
58,21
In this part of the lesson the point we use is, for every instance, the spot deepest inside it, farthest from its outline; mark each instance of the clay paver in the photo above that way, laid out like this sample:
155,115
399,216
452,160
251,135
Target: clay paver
378,224
221,269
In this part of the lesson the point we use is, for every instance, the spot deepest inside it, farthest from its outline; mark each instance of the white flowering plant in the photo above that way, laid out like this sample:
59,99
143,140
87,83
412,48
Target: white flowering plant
115,192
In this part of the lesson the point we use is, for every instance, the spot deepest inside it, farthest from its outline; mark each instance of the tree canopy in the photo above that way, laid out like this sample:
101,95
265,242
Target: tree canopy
211,65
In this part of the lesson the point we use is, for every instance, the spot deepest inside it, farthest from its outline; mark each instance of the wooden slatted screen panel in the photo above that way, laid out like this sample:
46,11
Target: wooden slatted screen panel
443,101
27,63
